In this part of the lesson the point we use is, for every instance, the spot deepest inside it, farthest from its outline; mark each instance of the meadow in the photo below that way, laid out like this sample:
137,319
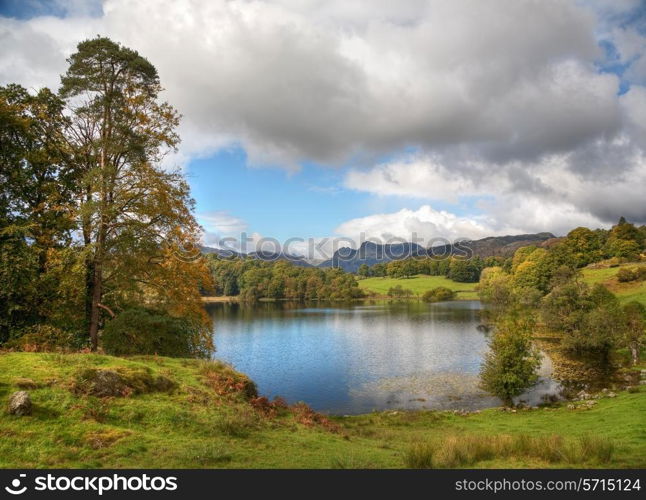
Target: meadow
419,284
203,416
626,292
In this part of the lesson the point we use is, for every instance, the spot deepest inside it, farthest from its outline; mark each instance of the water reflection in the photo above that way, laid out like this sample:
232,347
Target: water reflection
359,358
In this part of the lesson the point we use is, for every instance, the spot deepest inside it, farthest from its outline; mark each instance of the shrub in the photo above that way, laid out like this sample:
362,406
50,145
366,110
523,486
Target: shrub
439,294
45,338
148,331
399,292
625,275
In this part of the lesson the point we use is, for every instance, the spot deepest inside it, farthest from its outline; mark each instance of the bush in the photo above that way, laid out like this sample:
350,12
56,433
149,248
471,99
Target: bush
399,292
148,331
45,338
633,274
439,294
625,275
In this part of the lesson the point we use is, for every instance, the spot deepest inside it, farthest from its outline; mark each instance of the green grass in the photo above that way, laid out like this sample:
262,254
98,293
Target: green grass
419,284
201,425
625,291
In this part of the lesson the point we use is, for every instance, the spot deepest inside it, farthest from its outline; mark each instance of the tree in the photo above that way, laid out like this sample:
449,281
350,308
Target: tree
35,203
363,271
495,288
511,363
634,319
379,270
584,245
130,211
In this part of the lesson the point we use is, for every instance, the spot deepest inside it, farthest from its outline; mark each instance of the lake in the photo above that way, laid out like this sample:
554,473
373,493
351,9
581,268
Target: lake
362,357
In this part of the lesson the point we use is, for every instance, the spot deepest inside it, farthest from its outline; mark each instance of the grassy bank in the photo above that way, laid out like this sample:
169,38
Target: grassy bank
202,416
608,276
419,284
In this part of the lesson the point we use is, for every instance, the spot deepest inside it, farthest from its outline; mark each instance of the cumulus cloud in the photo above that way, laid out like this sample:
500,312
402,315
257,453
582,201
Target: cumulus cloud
501,99
323,81
423,225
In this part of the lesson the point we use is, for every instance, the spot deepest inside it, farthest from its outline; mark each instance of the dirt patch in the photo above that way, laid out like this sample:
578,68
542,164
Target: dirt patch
104,438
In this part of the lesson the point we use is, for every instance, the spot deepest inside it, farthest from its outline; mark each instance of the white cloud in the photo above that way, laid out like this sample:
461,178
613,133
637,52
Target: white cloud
323,81
501,98
424,224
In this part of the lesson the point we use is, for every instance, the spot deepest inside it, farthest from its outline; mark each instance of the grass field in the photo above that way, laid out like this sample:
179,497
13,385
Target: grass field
203,423
625,291
419,284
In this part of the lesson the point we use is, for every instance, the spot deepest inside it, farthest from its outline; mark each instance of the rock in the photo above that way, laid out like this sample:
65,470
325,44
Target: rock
20,404
612,395
582,395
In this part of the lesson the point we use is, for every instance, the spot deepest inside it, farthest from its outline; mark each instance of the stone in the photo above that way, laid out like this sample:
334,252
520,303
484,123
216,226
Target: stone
20,404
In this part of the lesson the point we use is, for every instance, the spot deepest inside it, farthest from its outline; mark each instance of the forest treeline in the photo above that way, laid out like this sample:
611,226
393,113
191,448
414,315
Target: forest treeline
253,279
92,226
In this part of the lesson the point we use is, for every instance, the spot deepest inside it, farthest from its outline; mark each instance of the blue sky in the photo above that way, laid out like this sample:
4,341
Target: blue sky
438,117
310,202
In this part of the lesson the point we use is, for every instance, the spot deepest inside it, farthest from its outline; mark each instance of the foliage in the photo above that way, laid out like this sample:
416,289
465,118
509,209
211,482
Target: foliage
590,318
148,331
439,294
511,363
626,274
397,292
254,279
43,338
90,222
634,329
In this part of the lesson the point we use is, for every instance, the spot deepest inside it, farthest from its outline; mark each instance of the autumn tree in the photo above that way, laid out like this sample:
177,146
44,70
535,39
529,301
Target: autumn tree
35,202
133,216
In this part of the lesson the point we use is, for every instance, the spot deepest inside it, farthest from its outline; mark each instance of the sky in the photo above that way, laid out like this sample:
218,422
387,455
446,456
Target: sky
379,119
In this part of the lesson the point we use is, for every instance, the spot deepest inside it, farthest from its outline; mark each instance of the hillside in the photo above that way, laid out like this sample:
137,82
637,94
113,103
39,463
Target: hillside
370,253
188,413
635,290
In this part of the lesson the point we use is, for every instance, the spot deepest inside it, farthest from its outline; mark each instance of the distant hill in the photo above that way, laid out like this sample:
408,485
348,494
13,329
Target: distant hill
349,259
496,246
371,253
297,260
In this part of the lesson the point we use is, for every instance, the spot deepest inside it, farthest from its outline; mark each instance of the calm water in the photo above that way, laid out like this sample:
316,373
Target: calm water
359,358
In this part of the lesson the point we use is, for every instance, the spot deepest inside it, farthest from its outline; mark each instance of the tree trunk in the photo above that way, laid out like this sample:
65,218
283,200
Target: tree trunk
94,306
634,350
